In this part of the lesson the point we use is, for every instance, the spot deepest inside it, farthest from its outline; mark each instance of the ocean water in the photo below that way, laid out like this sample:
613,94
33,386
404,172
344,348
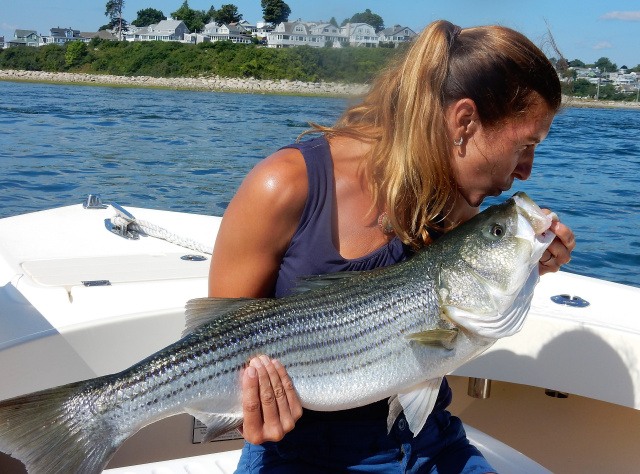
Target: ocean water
189,151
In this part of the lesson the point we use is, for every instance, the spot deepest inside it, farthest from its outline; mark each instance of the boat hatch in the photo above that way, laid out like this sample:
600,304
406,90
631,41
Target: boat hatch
116,269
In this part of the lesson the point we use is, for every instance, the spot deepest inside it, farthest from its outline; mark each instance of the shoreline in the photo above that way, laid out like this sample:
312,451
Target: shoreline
210,83
241,85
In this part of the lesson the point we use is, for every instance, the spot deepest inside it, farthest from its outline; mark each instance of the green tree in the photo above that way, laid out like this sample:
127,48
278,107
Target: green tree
191,18
148,16
275,11
227,14
209,15
113,11
333,21
369,18
606,65
577,63
76,51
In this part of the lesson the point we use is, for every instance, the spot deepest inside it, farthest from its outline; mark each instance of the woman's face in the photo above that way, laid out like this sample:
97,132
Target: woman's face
489,160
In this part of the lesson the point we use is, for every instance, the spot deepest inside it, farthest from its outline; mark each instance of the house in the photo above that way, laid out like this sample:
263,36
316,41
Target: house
247,27
103,34
330,33
64,35
213,32
23,38
1,42
292,33
360,34
396,35
165,30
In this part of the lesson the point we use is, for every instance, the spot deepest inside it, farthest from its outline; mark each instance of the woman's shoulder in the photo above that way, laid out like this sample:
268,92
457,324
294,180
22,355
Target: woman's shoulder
280,179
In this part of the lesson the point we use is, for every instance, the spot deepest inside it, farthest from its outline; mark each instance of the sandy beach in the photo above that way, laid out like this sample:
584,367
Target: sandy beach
245,85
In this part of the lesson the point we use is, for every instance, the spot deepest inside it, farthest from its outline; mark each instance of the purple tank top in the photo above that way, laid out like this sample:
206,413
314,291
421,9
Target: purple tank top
312,252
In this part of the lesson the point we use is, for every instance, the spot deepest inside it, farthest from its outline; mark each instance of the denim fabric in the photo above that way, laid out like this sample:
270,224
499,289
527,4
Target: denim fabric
441,447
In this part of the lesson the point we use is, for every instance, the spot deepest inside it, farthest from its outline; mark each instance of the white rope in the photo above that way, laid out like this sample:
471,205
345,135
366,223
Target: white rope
154,230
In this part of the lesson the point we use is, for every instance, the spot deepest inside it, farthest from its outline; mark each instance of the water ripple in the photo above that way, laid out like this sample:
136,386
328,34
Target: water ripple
189,151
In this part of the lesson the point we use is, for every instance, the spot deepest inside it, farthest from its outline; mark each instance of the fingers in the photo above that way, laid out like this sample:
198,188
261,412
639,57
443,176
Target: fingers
559,252
289,400
251,407
270,404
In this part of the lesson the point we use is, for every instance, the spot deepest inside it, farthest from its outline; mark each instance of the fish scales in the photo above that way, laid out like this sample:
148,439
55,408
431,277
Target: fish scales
314,338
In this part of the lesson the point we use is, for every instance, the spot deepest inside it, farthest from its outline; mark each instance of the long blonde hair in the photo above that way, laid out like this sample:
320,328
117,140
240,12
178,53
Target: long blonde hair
408,169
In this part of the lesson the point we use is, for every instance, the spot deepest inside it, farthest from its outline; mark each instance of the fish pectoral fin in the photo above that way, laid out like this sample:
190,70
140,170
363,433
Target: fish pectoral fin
217,423
417,403
201,311
435,337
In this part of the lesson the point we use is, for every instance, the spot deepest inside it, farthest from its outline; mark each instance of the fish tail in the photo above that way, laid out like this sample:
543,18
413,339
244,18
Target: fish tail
53,431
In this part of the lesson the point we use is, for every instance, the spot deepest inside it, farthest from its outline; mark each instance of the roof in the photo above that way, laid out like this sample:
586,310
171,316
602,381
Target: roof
103,34
394,30
168,25
23,33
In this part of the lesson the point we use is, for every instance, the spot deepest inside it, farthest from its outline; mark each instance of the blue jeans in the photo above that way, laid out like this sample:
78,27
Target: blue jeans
364,446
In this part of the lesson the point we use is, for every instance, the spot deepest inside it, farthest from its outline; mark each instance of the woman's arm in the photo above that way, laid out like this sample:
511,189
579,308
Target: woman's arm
257,227
255,232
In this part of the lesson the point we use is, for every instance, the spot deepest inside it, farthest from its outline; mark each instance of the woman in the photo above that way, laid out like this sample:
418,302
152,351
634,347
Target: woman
453,122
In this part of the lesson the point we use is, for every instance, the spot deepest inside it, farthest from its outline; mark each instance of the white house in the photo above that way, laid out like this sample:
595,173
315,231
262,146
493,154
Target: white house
299,33
165,30
360,34
213,32
329,32
291,33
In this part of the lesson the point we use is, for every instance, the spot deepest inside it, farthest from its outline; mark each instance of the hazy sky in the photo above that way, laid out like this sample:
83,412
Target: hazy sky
583,29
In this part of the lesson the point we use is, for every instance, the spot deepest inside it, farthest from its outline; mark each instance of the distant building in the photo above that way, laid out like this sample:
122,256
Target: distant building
24,38
213,32
165,30
103,34
360,34
319,34
396,35
293,33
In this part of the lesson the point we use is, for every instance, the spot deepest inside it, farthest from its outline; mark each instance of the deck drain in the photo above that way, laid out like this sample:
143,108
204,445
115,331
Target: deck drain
194,258
569,300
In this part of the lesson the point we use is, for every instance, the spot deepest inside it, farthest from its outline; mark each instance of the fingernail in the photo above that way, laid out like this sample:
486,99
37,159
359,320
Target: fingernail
264,359
252,372
255,362
276,363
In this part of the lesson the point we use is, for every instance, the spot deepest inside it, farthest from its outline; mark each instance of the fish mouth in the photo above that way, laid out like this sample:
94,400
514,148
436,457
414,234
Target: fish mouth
533,225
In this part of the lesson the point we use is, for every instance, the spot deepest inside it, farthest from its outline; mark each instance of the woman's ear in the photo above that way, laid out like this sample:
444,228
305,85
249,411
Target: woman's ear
462,119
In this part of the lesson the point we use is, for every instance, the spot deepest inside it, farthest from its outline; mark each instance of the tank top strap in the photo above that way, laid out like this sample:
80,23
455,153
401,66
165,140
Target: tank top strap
317,214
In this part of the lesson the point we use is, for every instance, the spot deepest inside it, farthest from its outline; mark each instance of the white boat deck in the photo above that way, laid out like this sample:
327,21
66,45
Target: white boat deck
592,351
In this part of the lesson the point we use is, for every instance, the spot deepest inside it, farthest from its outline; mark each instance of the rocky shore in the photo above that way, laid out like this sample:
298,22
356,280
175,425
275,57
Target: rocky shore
246,85
210,83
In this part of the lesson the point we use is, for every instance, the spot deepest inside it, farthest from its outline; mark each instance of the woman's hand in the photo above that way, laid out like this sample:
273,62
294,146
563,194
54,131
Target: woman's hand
270,404
559,252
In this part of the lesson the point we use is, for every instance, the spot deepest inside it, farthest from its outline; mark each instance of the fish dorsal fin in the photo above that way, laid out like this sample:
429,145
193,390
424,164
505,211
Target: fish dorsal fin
314,282
435,337
201,311
417,403
217,423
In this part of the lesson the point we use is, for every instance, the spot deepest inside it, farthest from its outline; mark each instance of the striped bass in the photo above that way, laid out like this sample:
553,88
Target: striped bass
346,340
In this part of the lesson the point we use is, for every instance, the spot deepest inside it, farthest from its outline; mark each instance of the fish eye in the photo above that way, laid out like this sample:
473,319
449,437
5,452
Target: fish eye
497,230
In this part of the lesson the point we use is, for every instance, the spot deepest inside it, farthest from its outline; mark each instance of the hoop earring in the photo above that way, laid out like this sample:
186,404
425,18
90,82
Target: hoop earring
458,142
